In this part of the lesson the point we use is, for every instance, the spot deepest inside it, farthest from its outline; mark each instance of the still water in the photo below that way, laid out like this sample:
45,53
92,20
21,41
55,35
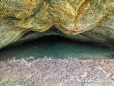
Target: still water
56,47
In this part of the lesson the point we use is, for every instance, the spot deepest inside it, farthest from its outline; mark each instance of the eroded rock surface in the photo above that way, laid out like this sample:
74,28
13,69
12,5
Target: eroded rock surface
94,19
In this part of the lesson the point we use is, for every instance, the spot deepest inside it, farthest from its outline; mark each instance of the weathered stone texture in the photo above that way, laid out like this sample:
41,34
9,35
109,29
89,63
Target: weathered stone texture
56,72
93,18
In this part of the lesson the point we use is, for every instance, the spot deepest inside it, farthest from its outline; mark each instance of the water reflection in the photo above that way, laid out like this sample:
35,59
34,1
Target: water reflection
56,47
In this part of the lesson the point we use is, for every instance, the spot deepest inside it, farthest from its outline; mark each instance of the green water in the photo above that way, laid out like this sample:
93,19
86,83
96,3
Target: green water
56,47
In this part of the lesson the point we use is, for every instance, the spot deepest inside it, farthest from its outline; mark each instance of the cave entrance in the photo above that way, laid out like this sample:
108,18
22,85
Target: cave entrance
55,46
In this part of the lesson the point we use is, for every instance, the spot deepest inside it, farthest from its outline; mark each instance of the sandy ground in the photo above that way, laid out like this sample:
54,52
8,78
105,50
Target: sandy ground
56,72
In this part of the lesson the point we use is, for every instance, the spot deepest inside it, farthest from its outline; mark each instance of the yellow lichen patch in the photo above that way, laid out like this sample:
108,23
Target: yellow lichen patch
32,2
82,7
68,9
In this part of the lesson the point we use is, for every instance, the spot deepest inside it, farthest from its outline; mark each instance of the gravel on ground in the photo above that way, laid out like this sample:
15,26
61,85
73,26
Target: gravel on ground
56,72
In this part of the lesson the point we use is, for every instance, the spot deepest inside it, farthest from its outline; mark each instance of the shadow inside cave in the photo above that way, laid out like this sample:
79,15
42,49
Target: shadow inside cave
55,46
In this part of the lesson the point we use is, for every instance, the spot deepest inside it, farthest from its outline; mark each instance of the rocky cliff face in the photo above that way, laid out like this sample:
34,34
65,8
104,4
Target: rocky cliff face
93,19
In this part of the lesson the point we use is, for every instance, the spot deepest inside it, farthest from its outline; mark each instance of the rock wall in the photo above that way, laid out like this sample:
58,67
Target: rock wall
94,19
